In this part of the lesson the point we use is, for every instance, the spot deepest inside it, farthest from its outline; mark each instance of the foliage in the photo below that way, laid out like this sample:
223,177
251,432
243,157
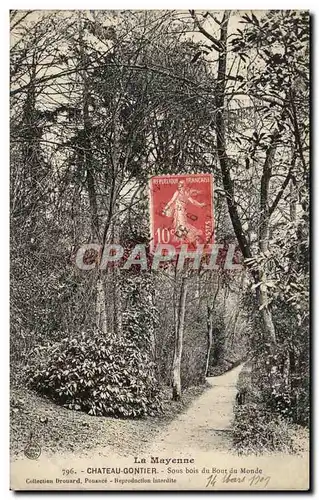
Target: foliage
140,316
283,382
263,424
103,100
257,430
98,375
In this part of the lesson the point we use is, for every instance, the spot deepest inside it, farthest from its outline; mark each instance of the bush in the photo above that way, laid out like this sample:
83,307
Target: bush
257,430
98,375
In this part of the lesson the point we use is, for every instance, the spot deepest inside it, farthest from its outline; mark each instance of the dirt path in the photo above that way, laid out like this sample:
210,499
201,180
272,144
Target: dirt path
202,433
206,425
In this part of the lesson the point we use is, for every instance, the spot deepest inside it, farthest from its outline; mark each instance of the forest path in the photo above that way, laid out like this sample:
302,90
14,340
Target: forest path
206,425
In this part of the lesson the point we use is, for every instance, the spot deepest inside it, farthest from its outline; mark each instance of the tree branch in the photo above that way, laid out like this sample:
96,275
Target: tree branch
221,144
282,189
20,20
214,18
211,38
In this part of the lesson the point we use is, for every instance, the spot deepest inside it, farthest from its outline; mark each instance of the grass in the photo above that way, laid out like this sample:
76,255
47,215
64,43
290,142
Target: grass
244,378
257,430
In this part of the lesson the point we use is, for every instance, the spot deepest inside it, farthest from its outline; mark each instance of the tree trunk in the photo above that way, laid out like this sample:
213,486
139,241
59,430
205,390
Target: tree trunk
117,320
153,331
221,140
228,183
293,384
116,288
262,292
100,308
266,314
209,336
101,321
177,388
210,311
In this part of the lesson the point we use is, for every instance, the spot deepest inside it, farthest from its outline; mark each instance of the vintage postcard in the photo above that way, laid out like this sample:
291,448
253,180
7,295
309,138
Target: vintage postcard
159,211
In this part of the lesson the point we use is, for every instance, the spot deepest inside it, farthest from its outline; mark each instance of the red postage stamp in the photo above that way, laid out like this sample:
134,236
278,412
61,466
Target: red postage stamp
182,210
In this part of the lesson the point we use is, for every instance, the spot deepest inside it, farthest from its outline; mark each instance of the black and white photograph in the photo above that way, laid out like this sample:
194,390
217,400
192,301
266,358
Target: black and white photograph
159,250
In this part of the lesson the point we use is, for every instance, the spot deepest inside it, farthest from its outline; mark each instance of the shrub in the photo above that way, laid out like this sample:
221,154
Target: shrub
98,375
258,430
